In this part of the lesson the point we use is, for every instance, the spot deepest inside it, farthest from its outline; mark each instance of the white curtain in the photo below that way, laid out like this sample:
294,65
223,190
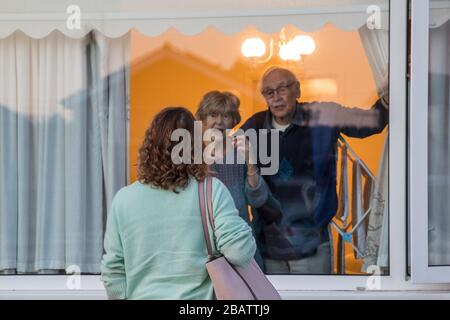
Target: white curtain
376,45
439,146
62,148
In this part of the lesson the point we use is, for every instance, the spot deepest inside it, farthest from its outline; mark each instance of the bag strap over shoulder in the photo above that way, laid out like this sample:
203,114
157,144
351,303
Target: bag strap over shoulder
209,201
204,208
201,196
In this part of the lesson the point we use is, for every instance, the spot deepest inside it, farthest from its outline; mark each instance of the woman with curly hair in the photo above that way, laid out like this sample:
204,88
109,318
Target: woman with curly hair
154,242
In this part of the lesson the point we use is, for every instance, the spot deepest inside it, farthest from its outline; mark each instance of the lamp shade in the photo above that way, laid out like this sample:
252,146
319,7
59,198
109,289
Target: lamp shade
304,44
288,52
253,48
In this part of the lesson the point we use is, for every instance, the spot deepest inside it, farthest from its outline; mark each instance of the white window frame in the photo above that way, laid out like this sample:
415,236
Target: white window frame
421,272
295,286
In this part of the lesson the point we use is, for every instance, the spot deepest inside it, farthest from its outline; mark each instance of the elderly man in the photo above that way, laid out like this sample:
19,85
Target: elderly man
292,228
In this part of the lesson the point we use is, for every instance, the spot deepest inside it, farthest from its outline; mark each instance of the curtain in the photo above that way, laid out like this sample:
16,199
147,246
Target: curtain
439,146
376,45
62,148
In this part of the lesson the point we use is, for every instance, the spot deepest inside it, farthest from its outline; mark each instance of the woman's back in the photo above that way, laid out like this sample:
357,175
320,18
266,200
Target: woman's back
155,246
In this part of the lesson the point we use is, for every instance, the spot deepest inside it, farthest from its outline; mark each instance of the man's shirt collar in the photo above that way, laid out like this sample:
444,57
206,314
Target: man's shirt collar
298,118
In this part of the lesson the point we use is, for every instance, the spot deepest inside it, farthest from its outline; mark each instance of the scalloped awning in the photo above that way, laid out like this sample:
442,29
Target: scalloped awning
116,17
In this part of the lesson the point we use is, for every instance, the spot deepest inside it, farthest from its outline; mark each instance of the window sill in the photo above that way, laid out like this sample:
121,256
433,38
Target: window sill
366,295
286,295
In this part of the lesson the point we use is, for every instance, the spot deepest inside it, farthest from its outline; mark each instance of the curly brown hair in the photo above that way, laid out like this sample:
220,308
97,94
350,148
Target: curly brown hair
155,163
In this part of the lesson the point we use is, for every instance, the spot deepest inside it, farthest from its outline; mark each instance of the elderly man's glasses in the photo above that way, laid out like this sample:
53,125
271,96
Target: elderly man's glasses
281,90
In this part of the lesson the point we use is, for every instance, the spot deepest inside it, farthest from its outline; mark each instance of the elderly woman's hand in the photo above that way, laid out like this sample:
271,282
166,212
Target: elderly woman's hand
244,149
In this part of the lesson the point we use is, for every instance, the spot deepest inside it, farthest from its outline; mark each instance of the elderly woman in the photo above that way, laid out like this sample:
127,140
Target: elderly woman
154,241
220,110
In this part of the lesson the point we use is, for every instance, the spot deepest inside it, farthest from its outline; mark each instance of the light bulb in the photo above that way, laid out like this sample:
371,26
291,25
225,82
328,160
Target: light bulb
304,44
288,52
253,48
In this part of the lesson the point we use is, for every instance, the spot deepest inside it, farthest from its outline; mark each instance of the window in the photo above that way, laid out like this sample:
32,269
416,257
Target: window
430,183
349,67
62,149
64,139
156,65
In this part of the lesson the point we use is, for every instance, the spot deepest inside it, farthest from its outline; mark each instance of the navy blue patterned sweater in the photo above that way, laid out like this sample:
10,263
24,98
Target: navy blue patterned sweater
295,221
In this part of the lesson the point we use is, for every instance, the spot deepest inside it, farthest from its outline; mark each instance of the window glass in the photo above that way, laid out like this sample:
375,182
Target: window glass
60,165
67,141
438,135
328,209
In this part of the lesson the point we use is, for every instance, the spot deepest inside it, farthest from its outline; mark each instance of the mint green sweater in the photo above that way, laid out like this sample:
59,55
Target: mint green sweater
155,247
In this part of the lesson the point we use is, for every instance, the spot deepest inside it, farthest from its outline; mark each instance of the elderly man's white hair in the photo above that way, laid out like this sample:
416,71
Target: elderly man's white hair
271,69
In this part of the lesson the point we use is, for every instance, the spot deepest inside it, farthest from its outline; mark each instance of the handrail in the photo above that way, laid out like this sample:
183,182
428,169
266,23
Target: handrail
355,156
347,236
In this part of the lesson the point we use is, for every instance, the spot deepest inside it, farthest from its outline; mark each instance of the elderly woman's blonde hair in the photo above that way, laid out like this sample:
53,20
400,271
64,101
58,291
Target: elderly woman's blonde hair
219,102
